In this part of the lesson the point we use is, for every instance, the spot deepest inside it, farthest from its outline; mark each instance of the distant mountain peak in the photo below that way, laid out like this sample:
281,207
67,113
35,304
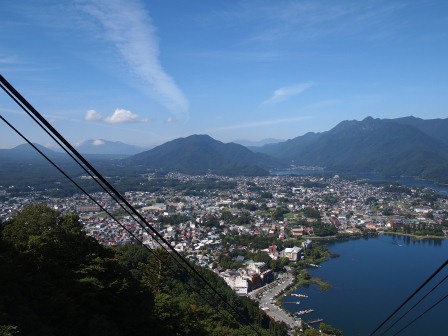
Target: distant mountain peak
199,137
101,146
369,119
370,123
199,154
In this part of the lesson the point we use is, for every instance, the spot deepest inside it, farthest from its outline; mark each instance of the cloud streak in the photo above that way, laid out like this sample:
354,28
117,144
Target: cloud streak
126,24
305,20
286,92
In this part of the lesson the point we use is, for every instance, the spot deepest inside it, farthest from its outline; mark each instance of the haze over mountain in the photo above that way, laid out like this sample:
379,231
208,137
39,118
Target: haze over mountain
407,146
436,128
26,152
199,154
101,146
249,143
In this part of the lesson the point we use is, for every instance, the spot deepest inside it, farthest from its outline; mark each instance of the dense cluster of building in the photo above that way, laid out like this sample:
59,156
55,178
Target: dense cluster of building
196,225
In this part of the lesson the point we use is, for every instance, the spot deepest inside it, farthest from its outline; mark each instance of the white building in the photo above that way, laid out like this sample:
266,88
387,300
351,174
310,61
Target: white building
292,253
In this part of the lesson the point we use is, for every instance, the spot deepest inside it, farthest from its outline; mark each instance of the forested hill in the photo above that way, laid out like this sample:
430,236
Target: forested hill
58,281
200,154
405,146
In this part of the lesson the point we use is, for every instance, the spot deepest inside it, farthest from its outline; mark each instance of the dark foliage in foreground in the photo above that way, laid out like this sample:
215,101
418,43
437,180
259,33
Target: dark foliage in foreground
58,281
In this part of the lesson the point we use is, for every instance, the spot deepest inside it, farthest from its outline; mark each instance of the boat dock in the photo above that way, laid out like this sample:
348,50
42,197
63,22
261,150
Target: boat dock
315,321
303,312
300,295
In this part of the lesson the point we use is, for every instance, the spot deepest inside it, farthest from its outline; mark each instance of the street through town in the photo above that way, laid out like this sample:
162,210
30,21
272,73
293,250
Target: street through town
266,297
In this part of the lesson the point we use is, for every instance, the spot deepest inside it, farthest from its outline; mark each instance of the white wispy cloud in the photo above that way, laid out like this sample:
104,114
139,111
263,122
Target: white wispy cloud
245,56
261,123
92,115
325,103
122,116
147,120
127,25
312,19
8,60
286,92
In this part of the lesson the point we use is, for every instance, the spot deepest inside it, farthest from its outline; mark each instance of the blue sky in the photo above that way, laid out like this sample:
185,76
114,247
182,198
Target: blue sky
145,72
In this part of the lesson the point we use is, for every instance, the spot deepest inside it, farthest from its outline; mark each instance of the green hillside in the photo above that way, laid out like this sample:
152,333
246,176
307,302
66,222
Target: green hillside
200,154
403,147
58,281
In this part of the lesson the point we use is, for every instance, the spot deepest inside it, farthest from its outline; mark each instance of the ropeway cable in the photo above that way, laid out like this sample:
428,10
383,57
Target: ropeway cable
107,191
3,81
11,91
418,317
411,296
69,178
83,167
415,305
100,205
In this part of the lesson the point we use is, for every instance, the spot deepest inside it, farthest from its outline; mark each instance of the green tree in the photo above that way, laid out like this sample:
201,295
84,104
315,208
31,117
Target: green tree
49,238
62,282
58,281
279,212
311,213
329,330
211,221
262,256
226,215
312,332
244,218
8,330
324,229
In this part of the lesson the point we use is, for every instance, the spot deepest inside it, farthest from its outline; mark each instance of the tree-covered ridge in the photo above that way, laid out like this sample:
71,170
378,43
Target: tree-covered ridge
406,146
58,281
388,147
199,154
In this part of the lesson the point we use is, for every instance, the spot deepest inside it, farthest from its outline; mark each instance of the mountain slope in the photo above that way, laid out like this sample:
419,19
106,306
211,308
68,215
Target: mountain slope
370,145
288,149
26,152
59,281
435,128
199,154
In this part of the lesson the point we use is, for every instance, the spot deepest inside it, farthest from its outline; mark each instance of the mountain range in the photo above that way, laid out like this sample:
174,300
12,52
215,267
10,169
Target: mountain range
404,146
201,154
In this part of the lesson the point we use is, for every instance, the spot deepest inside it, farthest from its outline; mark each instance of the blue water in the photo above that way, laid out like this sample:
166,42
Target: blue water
371,278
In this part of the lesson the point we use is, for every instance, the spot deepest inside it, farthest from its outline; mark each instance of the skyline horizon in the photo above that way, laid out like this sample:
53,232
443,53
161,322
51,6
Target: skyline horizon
144,73
100,141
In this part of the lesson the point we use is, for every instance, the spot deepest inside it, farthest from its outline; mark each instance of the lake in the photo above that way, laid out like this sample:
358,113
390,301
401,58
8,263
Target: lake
371,278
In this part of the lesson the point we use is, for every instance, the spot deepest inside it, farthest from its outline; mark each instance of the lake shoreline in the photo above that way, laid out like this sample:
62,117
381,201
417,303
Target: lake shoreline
416,237
362,266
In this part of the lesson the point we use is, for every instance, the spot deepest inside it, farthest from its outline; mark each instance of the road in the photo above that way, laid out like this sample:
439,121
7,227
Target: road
266,296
